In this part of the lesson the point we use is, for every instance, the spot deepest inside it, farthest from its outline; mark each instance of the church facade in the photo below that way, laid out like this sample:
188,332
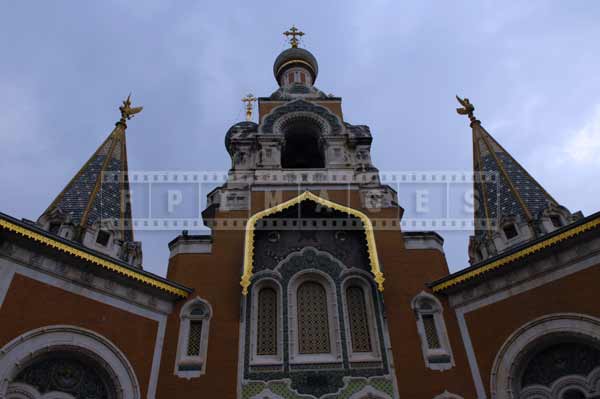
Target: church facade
306,287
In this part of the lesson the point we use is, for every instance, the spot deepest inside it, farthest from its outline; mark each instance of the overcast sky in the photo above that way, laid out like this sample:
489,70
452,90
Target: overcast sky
530,68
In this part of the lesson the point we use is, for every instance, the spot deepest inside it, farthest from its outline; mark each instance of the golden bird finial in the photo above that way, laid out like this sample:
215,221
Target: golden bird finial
249,100
467,108
293,32
127,111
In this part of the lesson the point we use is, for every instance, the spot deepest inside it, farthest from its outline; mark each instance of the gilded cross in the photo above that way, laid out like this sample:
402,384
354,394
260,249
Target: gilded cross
249,100
293,32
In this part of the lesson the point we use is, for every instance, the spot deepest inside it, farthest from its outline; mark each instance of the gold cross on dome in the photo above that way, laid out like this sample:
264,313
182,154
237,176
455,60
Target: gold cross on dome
293,32
249,100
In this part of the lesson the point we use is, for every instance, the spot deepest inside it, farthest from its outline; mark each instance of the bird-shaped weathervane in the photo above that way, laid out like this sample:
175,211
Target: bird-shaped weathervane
467,108
127,111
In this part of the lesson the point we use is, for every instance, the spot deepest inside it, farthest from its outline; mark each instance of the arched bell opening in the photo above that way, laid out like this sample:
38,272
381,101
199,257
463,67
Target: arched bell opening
303,147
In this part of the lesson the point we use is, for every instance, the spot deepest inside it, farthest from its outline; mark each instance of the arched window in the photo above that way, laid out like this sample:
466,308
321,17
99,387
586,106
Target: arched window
193,338
266,339
432,331
361,331
266,318
65,361
313,319
358,319
556,356
66,372
562,366
314,325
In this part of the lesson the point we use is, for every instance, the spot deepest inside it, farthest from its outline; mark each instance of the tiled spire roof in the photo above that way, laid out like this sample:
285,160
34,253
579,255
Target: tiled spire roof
510,190
511,207
99,191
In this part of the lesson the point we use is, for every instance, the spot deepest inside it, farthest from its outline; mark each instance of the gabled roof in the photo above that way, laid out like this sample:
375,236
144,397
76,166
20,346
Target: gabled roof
33,232
517,253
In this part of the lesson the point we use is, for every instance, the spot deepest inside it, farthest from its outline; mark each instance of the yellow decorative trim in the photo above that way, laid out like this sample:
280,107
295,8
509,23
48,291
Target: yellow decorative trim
519,254
91,258
307,195
294,62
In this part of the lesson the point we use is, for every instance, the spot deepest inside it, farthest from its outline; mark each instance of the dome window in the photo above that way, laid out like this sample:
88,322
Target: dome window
510,231
556,221
103,237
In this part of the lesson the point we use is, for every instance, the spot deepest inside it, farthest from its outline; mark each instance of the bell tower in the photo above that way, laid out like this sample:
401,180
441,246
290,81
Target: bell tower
305,244
301,140
295,224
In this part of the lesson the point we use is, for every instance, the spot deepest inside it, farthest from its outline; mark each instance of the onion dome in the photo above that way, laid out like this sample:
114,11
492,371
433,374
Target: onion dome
295,57
240,130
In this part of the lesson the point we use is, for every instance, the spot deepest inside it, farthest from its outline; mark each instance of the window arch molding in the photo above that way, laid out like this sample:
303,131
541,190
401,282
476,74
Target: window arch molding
368,392
21,351
323,279
194,328
431,327
255,358
510,357
267,394
367,291
447,395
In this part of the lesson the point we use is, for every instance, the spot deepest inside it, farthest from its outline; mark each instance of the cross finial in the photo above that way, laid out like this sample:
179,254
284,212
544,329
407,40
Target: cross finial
293,32
249,100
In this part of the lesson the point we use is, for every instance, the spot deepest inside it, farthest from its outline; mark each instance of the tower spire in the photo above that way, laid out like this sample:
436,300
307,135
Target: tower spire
511,206
94,207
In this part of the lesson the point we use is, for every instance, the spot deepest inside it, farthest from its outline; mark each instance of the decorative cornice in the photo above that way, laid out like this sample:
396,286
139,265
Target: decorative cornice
145,278
307,195
295,61
443,284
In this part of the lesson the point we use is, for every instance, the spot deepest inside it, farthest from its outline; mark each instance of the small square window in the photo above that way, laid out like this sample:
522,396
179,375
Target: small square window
556,222
102,238
510,231
54,227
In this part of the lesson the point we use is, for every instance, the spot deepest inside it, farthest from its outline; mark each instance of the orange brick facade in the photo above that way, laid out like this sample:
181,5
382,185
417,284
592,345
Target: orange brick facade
77,311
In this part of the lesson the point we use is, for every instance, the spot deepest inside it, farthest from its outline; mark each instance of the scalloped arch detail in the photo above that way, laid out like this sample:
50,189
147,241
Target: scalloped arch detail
300,105
308,196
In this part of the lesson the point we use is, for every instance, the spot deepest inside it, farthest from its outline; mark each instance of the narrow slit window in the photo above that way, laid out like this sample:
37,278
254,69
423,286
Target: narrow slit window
266,340
194,338
433,340
435,343
359,323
